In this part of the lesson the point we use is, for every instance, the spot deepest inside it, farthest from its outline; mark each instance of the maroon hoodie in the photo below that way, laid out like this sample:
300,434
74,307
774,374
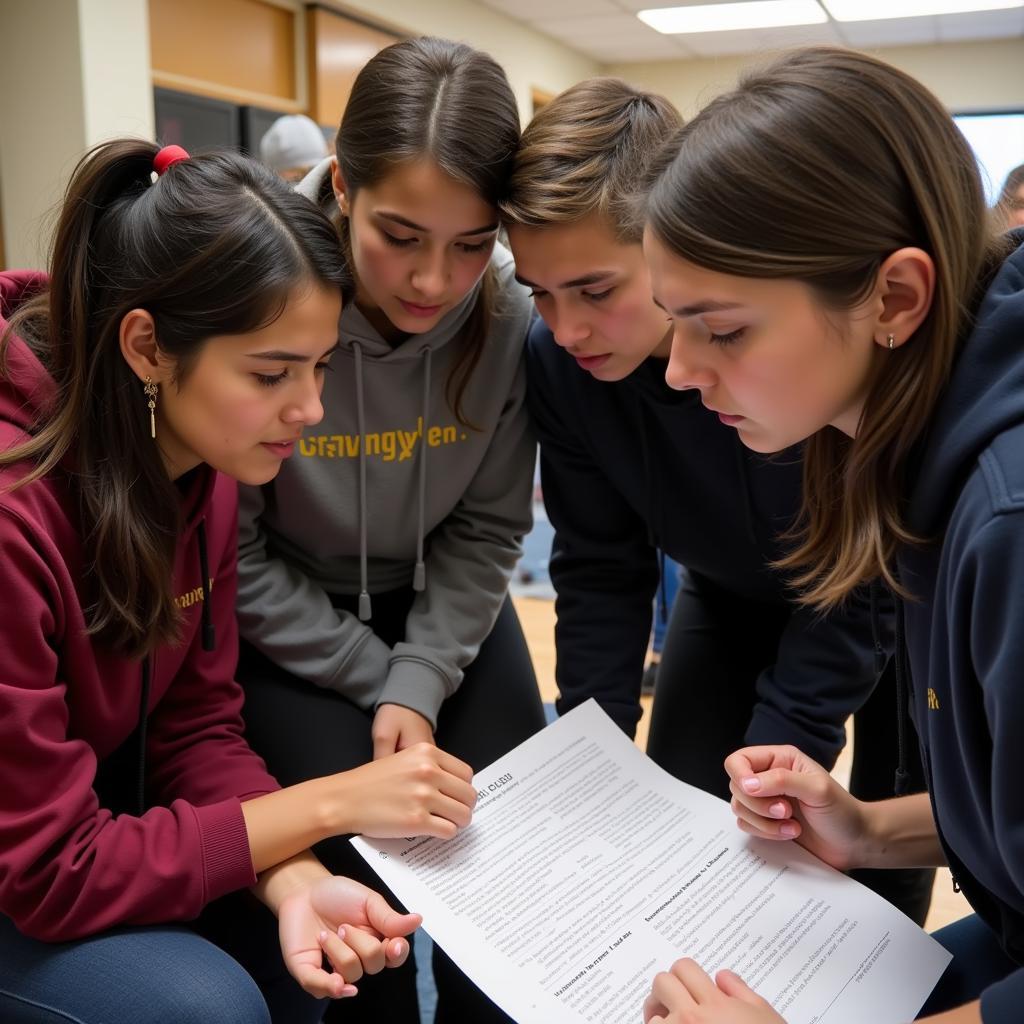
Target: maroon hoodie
68,866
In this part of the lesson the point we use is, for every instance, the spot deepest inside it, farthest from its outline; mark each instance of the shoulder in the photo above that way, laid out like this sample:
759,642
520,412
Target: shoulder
511,299
1002,469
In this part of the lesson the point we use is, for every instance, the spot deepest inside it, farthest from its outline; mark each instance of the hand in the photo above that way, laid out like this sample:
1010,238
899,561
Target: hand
685,994
420,791
349,924
779,793
396,728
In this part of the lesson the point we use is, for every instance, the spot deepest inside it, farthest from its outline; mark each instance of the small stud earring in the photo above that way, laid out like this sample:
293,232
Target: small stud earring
891,340
151,390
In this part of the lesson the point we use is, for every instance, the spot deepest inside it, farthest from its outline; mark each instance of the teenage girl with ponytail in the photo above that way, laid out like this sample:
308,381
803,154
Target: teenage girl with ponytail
178,345
861,304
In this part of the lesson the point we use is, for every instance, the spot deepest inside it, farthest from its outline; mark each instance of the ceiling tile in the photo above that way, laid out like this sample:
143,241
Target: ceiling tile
530,10
610,27
890,32
981,25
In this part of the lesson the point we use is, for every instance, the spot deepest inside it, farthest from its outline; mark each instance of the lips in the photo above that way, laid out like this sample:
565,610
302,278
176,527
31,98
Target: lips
592,363
415,309
282,449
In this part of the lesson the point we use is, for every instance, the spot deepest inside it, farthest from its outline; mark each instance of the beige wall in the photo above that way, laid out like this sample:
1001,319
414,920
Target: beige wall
529,58
965,76
74,73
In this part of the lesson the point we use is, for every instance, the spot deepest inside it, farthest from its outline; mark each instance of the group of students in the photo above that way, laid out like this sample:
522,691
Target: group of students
779,343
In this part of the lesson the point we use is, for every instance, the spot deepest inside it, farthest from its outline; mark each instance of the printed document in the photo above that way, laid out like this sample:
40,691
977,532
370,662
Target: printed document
587,869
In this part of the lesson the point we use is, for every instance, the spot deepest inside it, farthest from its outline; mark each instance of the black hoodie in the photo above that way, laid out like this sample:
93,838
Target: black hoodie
965,620
634,466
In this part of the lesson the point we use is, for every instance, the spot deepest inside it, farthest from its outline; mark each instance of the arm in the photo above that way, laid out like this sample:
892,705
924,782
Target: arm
603,567
825,670
291,620
68,867
470,559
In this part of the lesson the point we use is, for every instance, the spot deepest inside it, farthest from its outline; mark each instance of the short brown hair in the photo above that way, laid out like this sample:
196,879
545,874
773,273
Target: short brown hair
587,151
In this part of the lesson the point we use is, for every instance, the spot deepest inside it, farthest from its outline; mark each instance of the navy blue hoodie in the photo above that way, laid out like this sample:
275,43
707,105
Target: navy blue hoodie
965,620
631,466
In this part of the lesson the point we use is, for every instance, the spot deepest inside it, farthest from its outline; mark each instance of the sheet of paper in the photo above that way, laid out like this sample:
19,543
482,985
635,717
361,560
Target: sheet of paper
587,869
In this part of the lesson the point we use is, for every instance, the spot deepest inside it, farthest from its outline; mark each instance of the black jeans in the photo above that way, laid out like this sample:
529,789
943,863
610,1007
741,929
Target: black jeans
716,646
304,732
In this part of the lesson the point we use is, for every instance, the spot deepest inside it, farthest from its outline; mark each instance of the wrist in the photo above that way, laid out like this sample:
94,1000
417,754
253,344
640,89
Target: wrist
276,884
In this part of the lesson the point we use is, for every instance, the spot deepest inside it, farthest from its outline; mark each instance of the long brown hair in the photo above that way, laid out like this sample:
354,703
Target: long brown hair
444,100
214,246
816,168
586,152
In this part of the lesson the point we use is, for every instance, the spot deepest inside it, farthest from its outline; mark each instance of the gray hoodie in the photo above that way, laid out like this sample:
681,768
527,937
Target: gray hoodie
390,490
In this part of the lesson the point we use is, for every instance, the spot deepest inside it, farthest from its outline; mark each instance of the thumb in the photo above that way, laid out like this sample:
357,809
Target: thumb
735,987
388,922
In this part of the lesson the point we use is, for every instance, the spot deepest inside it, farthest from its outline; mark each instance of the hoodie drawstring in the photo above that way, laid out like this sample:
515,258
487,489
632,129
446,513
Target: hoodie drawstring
140,771
365,609
209,636
419,576
901,783
902,780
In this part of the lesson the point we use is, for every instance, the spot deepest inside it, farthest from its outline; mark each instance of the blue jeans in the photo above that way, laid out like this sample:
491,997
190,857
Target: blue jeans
164,974
978,962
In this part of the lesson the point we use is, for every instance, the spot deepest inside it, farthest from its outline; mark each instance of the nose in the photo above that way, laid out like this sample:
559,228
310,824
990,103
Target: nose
306,408
686,368
568,324
430,275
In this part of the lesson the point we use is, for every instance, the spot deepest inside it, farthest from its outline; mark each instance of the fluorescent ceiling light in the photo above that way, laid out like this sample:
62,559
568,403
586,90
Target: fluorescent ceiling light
728,17
876,10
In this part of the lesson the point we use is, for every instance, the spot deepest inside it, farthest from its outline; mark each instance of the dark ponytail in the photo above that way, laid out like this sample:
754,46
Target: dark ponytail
214,246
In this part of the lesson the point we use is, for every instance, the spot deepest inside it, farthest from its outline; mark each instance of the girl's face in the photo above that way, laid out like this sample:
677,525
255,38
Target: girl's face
763,352
594,292
247,397
420,242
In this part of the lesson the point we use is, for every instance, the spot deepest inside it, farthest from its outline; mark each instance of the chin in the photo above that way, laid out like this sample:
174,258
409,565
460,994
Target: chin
764,444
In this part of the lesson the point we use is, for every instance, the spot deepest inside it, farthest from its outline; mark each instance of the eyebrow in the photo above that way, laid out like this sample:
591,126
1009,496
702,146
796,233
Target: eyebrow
576,282
413,226
709,306
278,356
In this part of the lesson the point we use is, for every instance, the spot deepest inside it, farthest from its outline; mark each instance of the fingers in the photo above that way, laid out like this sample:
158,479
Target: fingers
654,1012
669,992
735,987
396,951
387,921
697,981
343,957
318,983
453,766
769,818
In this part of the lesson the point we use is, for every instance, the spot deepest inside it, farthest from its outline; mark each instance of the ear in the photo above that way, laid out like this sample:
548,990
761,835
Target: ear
340,189
140,349
906,286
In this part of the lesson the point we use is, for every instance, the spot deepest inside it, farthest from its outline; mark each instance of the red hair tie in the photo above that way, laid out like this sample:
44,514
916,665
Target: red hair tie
167,156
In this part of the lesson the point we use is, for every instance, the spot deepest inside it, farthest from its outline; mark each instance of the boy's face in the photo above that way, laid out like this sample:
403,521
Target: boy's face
594,292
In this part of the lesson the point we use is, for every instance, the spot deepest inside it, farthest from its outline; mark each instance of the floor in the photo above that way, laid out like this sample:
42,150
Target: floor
538,619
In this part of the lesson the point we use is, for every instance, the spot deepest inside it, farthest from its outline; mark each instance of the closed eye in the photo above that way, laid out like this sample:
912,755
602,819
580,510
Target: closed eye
270,380
398,243
727,339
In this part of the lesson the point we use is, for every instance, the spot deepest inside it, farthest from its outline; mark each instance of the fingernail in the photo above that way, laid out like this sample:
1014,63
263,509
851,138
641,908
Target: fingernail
341,932
323,936
751,785
787,830
777,810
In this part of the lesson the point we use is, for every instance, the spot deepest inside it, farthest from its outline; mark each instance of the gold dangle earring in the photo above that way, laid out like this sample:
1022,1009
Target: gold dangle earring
891,339
151,391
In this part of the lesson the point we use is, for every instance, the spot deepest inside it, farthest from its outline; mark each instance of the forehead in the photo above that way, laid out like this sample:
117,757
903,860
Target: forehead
567,251
678,283
421,192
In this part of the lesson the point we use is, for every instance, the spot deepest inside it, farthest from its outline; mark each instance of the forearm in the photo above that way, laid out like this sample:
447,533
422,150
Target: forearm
969,1013
275,883
900,833
284,824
